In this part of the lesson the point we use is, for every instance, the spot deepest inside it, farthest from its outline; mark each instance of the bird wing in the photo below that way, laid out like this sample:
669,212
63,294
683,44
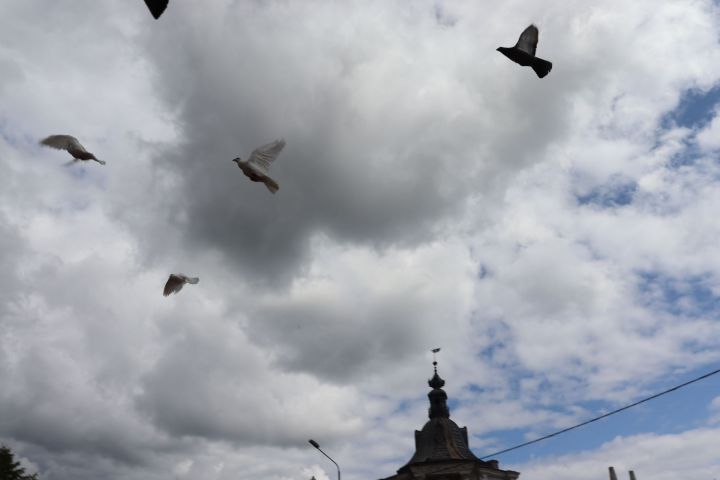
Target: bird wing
173,285
528,40
63,142
265,155
157,7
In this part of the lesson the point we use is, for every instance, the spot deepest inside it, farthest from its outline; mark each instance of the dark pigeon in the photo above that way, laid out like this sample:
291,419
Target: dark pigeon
157,7
523,53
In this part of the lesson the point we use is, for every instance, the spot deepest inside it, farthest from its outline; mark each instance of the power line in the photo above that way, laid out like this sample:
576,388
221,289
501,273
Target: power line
677,387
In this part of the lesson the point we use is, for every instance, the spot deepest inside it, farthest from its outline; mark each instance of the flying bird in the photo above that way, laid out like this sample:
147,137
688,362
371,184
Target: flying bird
257,167
71,144
523,52
176,281
157,7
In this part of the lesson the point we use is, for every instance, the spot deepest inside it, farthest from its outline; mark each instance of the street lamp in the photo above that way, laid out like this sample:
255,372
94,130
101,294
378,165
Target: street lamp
315,444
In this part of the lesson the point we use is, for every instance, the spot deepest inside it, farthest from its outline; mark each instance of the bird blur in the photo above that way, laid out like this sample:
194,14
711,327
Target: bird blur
71,144
157,7
176,281
257,166
523,52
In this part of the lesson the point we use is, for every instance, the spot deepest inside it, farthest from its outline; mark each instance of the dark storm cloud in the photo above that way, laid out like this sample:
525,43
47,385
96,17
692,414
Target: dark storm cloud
381,148
344,344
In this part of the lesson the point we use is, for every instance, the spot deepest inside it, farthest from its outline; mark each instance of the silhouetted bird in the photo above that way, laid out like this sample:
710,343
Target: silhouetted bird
257,167
157,7
71,144
523,52
176,281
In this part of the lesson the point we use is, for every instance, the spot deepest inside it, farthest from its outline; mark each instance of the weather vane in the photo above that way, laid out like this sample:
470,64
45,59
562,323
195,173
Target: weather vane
435,350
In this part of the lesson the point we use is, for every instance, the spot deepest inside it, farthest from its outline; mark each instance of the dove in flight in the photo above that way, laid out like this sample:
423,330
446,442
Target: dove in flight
157,7
71,144
523,52
176,281
257,166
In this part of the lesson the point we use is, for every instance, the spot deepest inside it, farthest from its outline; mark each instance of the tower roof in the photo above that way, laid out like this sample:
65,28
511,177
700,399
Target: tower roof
440,438
443,444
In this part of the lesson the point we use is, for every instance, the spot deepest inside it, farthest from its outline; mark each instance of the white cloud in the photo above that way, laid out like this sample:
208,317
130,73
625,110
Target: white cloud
708,138
715,411
660,457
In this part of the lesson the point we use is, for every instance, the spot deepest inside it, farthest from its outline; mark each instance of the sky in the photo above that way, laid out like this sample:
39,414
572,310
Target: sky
558,238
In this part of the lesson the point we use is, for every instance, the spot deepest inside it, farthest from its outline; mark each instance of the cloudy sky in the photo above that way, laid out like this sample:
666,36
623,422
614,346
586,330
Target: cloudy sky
558,238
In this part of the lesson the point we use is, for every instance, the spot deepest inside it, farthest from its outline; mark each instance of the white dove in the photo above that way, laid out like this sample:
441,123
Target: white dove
257,167
71,144
176,281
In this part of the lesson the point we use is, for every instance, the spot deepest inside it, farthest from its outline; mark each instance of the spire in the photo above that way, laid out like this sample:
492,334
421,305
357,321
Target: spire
442,445
437,396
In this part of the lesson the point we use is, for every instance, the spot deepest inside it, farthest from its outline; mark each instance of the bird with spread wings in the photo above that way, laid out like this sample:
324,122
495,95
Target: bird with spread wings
72,146
523,53
257,166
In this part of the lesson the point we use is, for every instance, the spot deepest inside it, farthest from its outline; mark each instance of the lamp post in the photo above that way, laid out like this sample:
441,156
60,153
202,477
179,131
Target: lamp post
315,444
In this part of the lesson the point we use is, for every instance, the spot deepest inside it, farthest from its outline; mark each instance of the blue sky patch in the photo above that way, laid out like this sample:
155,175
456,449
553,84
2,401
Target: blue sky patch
695,109
688,296
482,272
675,412
609,195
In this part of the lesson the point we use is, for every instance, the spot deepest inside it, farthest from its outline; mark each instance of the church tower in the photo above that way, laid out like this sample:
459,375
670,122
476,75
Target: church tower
441,447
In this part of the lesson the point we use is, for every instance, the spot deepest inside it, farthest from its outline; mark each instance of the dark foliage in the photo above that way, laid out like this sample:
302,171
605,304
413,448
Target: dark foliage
10,469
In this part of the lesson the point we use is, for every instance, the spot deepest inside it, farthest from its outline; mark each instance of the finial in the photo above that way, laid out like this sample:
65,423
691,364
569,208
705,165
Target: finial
436,381
438,397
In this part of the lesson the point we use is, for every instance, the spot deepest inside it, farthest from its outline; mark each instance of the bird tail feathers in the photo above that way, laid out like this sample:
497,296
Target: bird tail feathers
193,280
101,162
541,67
271,184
